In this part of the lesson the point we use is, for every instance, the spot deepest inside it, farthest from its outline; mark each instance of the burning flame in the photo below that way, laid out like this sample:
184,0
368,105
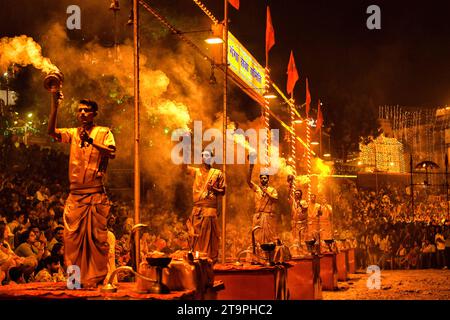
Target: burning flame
24,51
240,139
154,84
284,169
172,113
321,168
302,180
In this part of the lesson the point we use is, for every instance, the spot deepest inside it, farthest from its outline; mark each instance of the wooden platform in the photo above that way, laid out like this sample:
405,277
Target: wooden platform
341,262
351,261
58,290
328,271
304,281
250,282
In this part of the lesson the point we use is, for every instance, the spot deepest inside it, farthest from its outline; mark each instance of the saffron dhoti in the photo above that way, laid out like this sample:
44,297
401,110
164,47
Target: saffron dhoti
85,235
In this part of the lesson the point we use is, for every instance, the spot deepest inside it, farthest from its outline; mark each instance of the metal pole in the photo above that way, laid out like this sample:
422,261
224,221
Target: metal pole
7,97
137,173
224,146
412,184
320,143
293,161
116,45
376,168
308,155
446,185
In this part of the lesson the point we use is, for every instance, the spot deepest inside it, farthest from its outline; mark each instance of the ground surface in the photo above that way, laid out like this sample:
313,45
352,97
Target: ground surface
429,284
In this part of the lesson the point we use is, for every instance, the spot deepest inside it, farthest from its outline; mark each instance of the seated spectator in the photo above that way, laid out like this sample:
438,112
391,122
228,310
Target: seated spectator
20,229
111,239
440,249
58,236
40,236
16,276
30,247
400,258
413,257
8,259
18,219
41,194
58,251
427,250
447,248
51,272
19,223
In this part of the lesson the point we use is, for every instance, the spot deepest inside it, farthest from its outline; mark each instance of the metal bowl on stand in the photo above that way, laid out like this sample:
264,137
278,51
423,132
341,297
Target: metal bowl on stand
329,243
268,248
159,263
310,245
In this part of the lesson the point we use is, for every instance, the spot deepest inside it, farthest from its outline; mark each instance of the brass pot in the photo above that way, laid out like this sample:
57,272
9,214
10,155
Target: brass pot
53,81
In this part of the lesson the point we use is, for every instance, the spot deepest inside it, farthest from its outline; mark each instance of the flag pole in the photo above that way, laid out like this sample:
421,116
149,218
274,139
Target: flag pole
224,146
411,183
293,157
446,185
137,186
266,112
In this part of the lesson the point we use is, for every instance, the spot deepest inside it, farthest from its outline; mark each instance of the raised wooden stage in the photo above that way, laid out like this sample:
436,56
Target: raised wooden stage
58,290
251,282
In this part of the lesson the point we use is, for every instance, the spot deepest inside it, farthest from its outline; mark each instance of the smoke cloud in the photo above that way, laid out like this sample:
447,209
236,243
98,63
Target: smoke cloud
174,93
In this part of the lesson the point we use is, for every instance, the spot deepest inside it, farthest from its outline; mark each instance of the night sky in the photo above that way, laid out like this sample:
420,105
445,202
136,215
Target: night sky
407,62
349,67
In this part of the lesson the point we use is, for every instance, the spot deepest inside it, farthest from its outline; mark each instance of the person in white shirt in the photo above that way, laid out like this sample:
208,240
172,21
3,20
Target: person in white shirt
440,246
447,248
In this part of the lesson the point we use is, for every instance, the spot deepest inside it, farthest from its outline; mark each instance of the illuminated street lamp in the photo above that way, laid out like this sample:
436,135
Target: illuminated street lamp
269,95
314,143
214,40
217,33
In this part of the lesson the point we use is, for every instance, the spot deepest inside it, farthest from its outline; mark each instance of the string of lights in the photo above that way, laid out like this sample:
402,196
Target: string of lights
293,159
308,154
180,35
206,11
267,114
176,32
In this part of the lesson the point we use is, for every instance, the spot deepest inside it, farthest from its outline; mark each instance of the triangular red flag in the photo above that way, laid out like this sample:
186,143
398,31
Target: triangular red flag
319,120
234,3
292,74
308,99
270,34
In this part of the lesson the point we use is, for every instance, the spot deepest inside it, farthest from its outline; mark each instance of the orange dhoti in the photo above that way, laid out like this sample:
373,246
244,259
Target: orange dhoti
85,236
204,231
203,228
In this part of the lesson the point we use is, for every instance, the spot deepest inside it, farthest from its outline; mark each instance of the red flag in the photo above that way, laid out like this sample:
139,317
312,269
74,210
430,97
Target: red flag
234,3
270,34
292,74
308,99
319,121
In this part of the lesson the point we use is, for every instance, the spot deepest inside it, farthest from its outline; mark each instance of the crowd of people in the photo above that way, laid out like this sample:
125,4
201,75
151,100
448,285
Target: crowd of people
32,193
33,189
389,233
